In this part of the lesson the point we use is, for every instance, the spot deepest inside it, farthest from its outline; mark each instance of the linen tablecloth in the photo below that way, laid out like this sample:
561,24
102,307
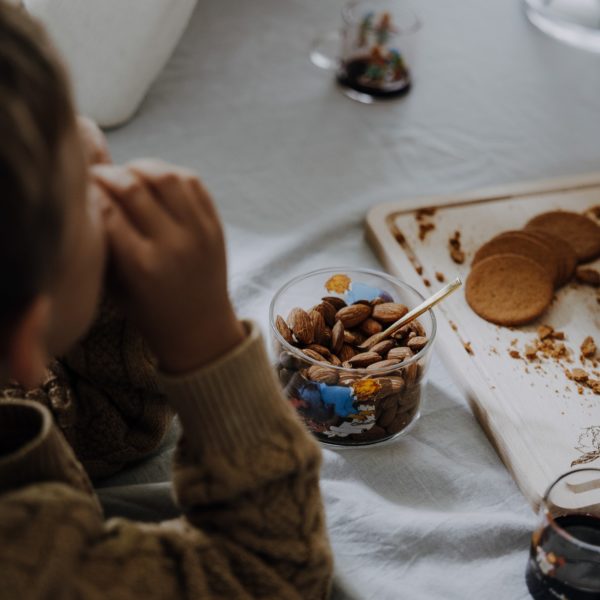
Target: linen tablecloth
294,166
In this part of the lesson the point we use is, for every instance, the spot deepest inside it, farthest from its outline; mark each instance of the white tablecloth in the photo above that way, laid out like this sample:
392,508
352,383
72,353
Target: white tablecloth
294,166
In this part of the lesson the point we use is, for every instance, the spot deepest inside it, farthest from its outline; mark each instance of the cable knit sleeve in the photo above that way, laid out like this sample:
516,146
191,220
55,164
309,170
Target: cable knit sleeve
247,482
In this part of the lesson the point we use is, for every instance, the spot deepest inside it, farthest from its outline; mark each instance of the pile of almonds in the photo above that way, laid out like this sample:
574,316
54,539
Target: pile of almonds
330,333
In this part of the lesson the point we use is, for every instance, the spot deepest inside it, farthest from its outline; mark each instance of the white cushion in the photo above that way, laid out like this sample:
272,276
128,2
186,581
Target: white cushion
114,48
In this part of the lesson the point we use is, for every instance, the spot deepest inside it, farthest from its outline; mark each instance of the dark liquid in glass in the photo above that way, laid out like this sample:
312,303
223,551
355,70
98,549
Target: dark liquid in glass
559,568
352,77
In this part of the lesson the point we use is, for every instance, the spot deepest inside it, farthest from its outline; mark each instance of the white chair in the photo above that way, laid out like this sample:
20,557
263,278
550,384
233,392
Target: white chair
113,48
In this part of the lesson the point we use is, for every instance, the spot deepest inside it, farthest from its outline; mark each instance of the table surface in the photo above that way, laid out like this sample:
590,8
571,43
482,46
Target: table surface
294,166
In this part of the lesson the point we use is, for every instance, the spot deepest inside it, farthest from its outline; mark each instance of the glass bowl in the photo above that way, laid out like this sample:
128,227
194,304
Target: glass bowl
346,398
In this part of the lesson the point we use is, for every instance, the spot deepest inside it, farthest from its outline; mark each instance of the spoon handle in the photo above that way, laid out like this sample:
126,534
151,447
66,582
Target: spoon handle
412,315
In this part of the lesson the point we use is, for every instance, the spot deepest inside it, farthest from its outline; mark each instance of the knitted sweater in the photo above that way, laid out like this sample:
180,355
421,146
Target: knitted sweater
245,477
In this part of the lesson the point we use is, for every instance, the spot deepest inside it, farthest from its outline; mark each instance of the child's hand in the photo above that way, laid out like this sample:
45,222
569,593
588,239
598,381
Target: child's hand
93,142
169,255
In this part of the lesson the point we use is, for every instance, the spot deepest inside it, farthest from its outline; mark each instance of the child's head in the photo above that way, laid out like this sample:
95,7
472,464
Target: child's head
51,240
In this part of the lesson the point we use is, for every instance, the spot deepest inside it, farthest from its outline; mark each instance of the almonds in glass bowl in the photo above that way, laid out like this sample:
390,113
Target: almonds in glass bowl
344,394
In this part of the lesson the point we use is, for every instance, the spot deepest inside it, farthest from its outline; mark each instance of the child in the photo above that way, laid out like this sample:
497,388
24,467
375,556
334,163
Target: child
246,473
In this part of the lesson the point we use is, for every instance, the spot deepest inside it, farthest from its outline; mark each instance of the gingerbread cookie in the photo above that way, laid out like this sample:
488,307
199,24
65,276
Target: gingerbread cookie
523,244
509,289
563,252
579,231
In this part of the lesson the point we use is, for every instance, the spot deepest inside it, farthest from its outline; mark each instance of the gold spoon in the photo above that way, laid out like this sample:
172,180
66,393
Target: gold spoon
412,315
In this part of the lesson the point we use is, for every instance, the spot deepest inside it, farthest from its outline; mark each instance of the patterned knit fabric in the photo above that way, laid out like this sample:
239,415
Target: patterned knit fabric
245,477
104,396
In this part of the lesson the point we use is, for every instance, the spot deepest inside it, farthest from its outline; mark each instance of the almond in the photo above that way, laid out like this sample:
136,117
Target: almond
375,433
335,361
388,312
324,352
322,375
400,354
388,416
319,325
353,315
314,355
336,302
348,378
370,326
397,384
417,343
418,328
301,324
364,359
354,338
383,364
383,347
328,311
346,353
337,337
284,330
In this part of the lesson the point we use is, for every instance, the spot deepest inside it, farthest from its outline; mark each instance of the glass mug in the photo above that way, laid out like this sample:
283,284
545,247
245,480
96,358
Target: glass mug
564,559
372,52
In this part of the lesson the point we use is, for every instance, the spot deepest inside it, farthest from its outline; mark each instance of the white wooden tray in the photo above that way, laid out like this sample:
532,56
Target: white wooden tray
534,415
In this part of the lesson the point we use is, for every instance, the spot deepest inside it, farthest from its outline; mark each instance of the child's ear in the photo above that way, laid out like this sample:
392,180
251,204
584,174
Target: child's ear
27,349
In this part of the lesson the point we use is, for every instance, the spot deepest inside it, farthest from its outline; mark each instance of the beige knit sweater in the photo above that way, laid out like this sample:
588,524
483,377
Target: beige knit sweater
245,477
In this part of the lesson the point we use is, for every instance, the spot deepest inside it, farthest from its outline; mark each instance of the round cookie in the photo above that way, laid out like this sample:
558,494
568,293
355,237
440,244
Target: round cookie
563,253
582,233
508,289
519,242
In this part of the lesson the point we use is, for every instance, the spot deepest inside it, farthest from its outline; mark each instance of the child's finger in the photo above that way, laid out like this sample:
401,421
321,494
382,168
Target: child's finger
94,142
176,187
133,197
128,246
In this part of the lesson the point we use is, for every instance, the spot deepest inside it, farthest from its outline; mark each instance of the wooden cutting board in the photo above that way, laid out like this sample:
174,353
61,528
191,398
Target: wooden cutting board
539,421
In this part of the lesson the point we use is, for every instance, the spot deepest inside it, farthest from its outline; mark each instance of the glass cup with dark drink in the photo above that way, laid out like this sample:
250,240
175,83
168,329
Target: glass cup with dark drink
564,561
372,53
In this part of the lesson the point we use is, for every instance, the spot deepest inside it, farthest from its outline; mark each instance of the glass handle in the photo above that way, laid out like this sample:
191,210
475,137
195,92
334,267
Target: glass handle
325,50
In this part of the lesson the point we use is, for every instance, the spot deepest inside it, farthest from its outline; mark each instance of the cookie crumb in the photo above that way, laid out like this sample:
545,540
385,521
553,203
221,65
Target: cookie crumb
468,348
544,331
424,229
458,256
587,276
427,282
453,326
578,375
588,347
440,277
593,212
530,352
428,211
419,270
514,354
456,252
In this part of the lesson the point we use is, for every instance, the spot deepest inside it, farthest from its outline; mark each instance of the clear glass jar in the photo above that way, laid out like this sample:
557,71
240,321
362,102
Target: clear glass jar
342,404
564,558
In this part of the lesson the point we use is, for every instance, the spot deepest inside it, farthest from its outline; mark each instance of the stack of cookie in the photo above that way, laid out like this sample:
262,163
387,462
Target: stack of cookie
514,275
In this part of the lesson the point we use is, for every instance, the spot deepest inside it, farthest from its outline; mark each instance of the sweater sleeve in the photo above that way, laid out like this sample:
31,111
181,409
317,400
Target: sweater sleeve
104,396
246,479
